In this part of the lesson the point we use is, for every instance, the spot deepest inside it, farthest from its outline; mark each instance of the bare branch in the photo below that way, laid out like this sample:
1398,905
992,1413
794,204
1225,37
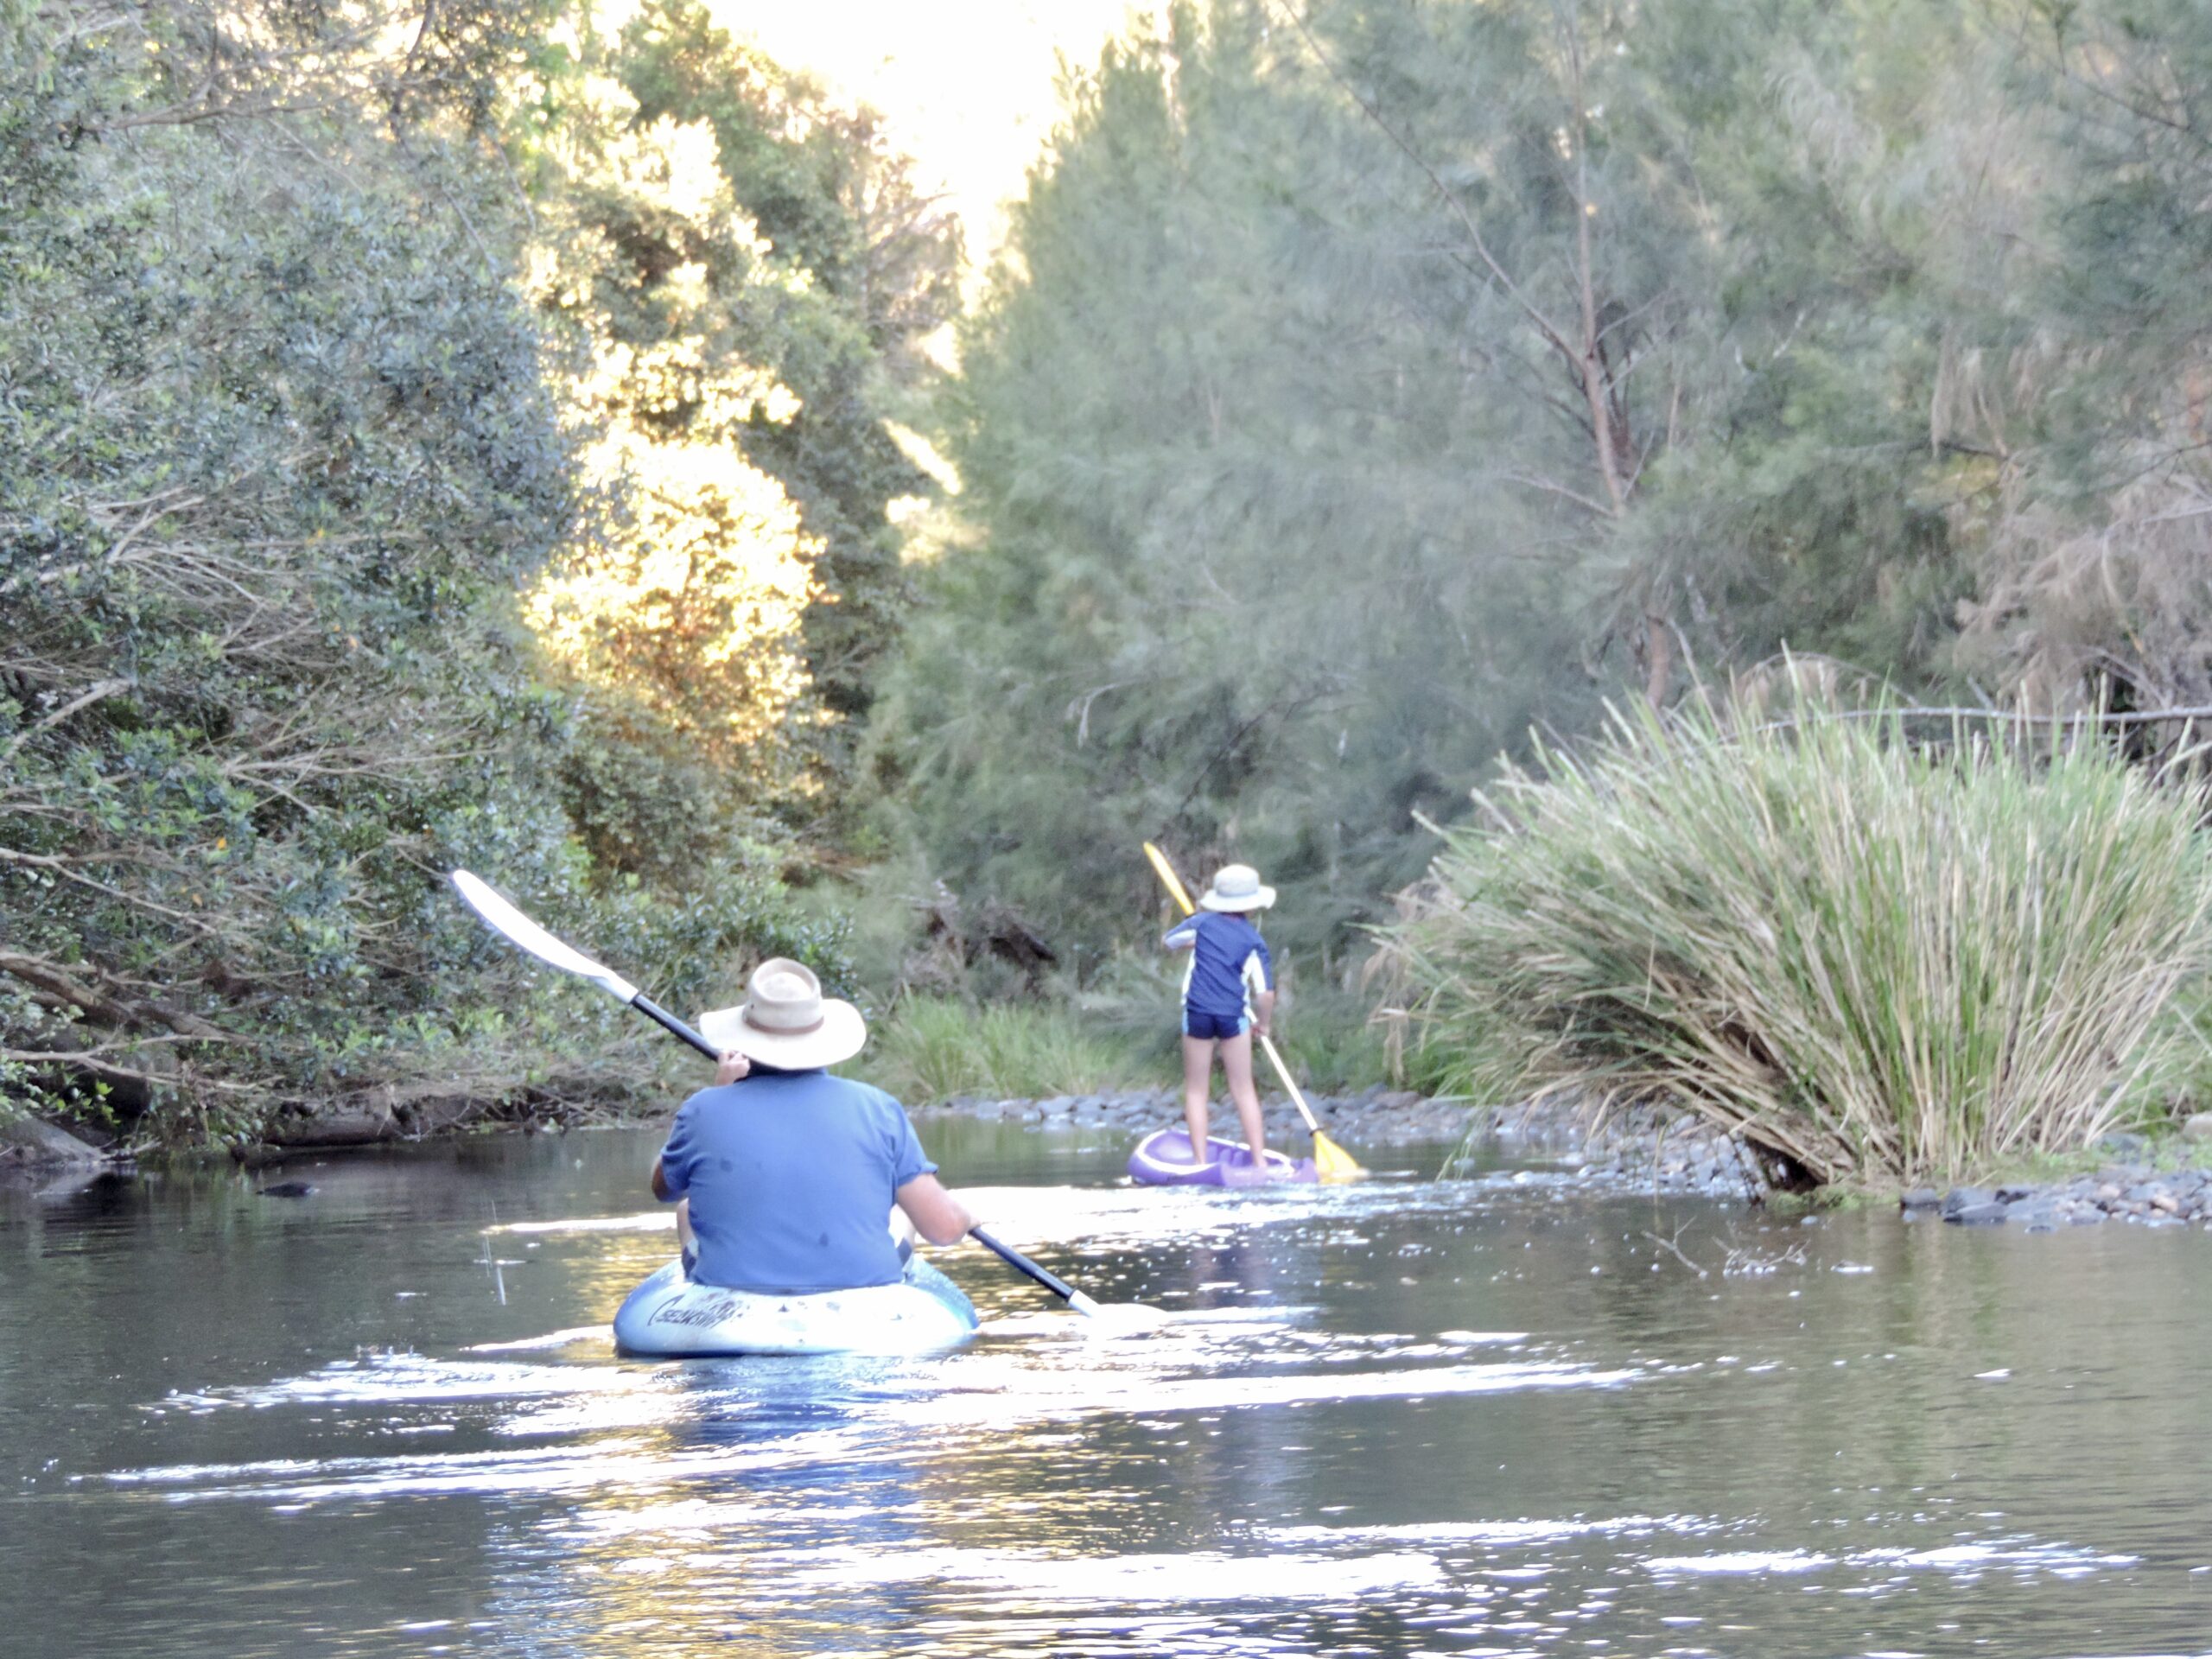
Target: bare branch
98,693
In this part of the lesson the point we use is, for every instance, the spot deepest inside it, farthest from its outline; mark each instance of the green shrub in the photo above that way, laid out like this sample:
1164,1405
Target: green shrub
1329,1044
931,1048
281,434
275,450
1880,957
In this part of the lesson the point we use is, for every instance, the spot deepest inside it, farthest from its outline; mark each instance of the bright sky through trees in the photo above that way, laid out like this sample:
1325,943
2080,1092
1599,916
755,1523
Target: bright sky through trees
968,85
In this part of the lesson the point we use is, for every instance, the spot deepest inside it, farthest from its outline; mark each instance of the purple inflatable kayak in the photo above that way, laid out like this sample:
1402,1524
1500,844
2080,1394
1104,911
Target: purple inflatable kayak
1163,1159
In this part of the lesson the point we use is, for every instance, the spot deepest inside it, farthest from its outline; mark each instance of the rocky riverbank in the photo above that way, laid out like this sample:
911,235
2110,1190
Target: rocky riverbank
1374,1117
2153,1182
1651,1150
2162,1182
1670,1152
36,1156
2143,1188
1645,1148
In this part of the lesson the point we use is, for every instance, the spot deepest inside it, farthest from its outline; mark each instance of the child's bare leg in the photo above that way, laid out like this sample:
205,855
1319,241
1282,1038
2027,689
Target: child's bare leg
686,1240
1198,1084
1237,1061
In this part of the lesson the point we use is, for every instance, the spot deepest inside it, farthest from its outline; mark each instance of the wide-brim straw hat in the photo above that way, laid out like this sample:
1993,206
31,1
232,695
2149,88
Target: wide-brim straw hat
1237,887
785,1021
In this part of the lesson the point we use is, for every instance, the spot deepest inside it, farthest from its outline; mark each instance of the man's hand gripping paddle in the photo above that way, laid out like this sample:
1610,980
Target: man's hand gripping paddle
518,930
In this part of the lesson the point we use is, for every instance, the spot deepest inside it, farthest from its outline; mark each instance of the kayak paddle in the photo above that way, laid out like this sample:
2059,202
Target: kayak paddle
518,930
1331,1161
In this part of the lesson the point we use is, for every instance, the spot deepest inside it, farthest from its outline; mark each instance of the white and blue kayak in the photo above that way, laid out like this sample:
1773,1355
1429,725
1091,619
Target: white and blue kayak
670,1316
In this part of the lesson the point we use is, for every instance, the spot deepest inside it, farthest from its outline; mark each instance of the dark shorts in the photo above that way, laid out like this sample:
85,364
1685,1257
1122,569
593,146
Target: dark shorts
1213,1027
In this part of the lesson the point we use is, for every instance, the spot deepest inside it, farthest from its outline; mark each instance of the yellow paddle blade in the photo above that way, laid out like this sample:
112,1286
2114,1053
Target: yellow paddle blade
1167,874
1333,1163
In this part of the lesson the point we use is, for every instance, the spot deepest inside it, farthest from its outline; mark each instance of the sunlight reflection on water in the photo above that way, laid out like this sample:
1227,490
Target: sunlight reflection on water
1401,1419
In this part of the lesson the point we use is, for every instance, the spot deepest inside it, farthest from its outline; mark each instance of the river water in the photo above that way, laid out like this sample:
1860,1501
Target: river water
1417,1417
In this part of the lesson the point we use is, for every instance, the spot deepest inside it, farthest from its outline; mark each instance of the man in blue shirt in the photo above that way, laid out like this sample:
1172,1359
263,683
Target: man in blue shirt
787,1175
1229,992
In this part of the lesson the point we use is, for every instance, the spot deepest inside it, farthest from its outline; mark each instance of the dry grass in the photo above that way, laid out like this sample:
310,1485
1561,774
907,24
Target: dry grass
1883,959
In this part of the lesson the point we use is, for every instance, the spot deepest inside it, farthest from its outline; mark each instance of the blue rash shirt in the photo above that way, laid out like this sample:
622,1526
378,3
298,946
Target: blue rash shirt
791,1176
1228,962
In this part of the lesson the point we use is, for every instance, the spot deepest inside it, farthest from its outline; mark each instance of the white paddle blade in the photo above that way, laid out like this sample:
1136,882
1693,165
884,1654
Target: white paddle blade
1119,1318
502,918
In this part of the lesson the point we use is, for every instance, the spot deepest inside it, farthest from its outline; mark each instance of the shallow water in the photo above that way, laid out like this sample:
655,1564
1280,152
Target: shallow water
1411,1417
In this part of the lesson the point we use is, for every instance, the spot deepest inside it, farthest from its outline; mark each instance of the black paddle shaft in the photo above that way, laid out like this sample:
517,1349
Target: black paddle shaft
667,1021
1015,1259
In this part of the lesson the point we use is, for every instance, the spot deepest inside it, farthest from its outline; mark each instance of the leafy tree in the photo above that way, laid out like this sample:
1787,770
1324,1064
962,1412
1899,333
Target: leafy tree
1298,430
2088,386
278,447
857,268
687,594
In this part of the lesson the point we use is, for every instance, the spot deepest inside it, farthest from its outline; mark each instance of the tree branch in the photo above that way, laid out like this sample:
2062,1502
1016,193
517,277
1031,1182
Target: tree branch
1505,279
98,693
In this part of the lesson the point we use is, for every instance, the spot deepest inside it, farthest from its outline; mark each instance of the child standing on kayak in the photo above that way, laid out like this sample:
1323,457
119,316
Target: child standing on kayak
1229,993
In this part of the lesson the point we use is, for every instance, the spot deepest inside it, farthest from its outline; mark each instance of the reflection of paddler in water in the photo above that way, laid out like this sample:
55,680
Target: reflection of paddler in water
783,1176
1232,1459
782,1173
1229,993
1235,1271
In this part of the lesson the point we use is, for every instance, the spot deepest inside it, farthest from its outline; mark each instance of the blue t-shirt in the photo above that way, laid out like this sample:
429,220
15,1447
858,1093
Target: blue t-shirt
1228,962
791,1176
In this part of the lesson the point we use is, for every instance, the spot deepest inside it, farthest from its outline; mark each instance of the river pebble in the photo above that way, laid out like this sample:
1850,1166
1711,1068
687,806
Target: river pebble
2120,1192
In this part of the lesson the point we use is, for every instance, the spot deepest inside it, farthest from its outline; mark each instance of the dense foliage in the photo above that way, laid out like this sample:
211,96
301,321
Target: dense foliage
749,272
1367,380
299,398
869,264
1881,958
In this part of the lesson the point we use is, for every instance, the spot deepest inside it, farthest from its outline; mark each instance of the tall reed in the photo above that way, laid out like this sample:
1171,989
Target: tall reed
1880,957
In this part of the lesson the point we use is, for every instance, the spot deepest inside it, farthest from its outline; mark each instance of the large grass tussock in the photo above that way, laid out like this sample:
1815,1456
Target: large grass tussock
1883,958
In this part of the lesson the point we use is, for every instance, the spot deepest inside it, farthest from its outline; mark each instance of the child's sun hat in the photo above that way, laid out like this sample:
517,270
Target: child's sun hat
1237,887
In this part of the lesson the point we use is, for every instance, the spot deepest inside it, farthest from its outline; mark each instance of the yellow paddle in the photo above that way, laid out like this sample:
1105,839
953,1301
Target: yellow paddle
1331,1161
